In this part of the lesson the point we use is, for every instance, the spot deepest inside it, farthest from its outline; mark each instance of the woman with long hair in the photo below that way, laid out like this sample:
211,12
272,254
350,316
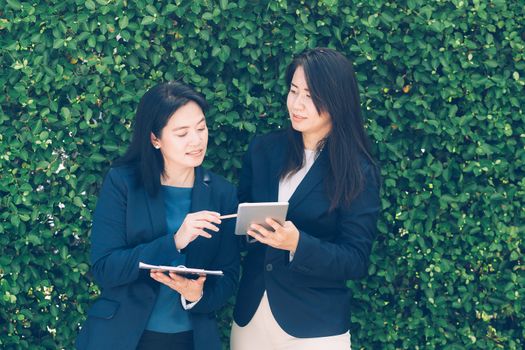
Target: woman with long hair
293,292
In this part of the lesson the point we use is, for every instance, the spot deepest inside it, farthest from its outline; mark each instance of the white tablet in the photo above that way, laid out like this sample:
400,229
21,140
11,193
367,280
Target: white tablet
256,213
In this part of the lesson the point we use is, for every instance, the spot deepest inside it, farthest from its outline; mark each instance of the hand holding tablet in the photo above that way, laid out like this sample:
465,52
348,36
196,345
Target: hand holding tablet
181,269
256,213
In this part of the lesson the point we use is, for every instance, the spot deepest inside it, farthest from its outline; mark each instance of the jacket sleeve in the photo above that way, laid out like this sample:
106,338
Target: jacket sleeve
113,261
217,290
347,257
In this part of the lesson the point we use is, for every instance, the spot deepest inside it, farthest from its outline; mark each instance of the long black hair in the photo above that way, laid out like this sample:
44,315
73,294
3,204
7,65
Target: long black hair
332,83
153,113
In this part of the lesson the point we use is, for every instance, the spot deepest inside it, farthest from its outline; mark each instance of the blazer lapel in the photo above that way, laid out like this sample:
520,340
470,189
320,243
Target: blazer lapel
157,213
200,200
201,193
275,163
275,166
313,177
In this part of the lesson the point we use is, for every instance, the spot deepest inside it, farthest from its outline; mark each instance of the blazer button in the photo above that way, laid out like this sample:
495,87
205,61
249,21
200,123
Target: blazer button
269,267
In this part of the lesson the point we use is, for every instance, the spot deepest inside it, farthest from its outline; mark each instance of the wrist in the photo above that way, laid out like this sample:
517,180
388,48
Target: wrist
193,297
178,245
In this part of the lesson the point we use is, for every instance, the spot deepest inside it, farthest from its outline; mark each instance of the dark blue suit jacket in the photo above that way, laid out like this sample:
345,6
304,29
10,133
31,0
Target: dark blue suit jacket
130,226
308,296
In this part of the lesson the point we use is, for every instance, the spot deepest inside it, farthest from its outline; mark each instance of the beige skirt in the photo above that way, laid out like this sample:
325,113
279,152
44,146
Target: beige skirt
264,333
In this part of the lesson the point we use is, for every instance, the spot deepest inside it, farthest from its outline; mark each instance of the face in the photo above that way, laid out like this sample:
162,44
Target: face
304,116
184,139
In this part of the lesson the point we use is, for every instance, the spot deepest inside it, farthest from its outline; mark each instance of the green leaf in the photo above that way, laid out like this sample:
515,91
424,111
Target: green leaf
155,59
147,20
123,22
97,157
224,53
78,202
14,4
151,10
58,43
66,113
92,41
491,63
64,253
90,5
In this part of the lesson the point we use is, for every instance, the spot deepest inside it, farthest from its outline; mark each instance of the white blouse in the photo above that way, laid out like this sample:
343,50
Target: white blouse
289,184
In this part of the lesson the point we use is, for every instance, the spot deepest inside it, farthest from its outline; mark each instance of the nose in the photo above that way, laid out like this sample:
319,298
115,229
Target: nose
298,102
196,138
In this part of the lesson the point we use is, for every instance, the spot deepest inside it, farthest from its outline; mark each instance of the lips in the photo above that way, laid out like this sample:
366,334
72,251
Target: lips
297,117
195,153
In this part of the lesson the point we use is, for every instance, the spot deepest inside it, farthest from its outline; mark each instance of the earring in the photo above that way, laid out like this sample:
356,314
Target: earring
156,146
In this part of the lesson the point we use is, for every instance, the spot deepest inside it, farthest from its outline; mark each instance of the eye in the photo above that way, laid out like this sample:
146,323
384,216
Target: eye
293,91
181,134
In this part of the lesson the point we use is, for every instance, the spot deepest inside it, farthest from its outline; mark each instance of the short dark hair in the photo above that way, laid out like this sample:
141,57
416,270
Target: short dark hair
333,86
153,113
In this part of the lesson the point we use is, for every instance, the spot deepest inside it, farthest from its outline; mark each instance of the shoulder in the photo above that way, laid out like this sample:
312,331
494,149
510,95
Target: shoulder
276,136
219,181
370,170
218,184
267,142
222,190
122,176
126,173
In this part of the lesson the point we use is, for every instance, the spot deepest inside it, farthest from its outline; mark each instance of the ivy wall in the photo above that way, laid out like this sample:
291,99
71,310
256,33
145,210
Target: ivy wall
442,86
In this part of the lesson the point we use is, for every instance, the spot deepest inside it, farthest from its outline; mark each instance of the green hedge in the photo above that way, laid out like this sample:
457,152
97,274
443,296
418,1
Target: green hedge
443,93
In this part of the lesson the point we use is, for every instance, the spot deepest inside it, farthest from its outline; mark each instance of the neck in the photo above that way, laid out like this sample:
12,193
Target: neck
311,141
178,177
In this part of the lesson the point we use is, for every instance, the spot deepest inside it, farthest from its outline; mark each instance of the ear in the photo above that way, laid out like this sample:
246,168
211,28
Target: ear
155,142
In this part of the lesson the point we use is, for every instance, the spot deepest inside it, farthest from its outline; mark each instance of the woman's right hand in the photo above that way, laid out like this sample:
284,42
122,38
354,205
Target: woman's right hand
193,226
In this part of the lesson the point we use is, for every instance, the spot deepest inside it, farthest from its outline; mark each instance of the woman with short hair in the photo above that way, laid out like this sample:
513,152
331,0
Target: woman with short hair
159,206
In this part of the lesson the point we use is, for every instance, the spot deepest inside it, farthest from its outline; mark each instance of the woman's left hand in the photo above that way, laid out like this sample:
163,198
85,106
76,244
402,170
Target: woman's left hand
284,236
190,289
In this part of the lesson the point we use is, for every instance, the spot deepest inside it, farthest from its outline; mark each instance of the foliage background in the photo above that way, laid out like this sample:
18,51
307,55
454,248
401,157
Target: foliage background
442,90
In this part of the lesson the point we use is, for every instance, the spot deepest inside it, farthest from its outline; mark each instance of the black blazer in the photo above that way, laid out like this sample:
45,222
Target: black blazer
130,226
308,296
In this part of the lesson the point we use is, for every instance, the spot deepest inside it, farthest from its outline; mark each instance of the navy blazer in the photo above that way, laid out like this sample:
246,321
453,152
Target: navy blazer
130,226
308,296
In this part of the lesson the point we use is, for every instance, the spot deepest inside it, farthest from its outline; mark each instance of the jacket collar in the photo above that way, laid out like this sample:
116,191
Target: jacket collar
314,176
276,165
157,213
200,199
201,194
